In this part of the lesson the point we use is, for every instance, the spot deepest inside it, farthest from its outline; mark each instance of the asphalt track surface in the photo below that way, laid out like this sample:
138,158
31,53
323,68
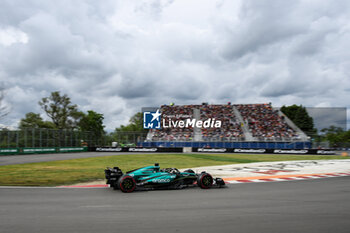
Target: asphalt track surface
318,206
36,158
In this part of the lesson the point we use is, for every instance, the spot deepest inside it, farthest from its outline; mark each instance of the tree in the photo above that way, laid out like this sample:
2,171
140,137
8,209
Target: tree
135,124
332,130
62,112
4,109
336,136
92,122
131,132
300,117
34,120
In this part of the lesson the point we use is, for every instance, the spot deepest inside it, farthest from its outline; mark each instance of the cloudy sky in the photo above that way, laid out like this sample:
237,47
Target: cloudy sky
115,57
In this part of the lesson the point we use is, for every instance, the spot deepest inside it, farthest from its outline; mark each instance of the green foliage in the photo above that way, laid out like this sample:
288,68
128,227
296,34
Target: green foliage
62,112
34,120
64,116
300,117
135,124
88,169
68,124
130,133
92,122
336,136
333,130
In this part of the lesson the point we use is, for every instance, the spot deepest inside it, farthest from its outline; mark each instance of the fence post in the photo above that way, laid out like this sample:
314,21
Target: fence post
54,138
40,136
33,136
17,138
8,139
25,137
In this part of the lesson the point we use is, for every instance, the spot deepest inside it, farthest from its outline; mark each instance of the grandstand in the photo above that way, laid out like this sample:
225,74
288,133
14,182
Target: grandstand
174,133
266,124
244,123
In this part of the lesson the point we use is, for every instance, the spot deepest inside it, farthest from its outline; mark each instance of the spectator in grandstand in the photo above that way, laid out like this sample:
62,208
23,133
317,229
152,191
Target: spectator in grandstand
262,120
265,123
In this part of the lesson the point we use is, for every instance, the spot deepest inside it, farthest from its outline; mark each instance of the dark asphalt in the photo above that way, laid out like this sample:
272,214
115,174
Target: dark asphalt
313,206
36,158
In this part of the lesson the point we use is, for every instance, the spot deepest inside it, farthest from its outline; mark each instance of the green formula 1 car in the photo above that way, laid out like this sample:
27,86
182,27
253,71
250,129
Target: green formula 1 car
152,177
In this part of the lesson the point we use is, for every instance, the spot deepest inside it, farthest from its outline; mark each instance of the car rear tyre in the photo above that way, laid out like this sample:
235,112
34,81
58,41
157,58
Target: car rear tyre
205,180
127,184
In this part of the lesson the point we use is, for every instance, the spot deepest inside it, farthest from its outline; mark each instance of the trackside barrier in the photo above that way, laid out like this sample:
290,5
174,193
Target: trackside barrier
187,149
134,149
265,151
213,150
232,145
46,150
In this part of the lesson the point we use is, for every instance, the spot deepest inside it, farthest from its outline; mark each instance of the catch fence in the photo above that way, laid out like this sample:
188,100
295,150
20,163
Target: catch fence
31,137
43,138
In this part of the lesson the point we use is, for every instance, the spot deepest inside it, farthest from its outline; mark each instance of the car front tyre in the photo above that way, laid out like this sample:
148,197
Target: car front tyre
205,181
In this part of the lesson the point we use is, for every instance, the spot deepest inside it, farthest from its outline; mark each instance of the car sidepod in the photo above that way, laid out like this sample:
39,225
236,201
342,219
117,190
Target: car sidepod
157,179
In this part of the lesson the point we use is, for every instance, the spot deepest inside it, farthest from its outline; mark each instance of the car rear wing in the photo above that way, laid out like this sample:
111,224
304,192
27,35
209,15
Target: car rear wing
113,174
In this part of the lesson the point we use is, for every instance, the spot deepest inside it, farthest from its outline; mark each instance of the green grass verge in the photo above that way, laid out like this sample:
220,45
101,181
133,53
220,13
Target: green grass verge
88,169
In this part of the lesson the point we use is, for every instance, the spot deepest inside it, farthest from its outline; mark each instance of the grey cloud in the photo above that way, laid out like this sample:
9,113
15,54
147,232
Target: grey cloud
119,56
154,8
326,117
135,88
262,24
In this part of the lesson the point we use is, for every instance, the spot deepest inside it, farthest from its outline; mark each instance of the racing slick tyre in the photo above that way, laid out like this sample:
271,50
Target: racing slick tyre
127,184
205,180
